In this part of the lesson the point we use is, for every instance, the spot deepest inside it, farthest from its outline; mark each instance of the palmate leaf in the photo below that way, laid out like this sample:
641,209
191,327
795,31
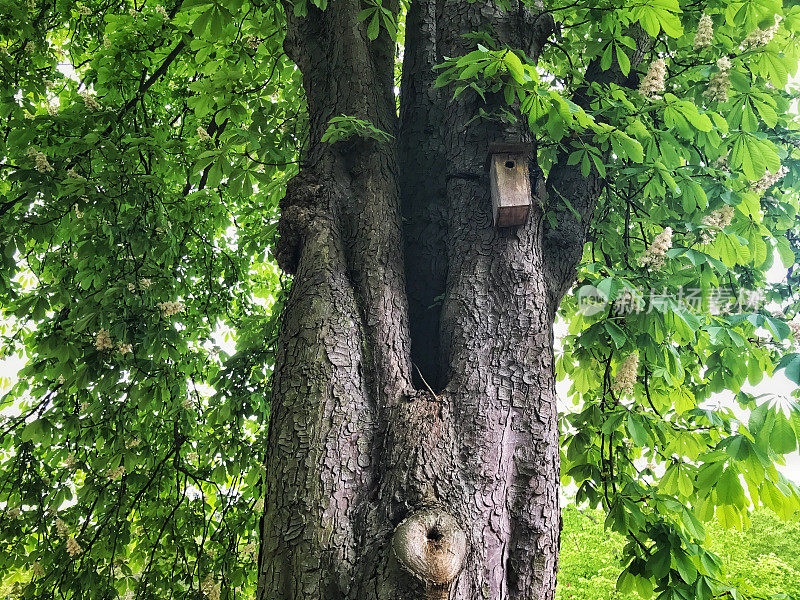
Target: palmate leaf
626,147
751,13
783,438
774,67
655,15
753,156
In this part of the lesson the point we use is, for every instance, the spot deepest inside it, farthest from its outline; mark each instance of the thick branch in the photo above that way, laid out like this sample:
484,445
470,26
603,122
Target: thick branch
345,73
568,188
343,353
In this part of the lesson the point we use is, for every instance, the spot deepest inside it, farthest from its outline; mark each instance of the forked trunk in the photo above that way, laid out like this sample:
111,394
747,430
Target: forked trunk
413,447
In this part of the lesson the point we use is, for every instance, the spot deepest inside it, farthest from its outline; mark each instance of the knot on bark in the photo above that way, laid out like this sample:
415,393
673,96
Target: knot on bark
430,545
299,207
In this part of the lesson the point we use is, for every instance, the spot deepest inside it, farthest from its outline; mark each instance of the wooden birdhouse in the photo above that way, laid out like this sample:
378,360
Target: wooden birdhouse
510,183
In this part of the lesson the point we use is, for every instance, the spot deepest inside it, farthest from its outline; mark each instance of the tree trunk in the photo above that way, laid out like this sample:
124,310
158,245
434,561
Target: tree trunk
413,443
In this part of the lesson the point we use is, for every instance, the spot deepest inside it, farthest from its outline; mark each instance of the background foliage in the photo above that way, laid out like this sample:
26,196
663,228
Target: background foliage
764,558
144,148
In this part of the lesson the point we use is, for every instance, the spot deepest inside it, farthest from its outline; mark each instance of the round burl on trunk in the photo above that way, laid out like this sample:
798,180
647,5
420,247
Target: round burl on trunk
430,546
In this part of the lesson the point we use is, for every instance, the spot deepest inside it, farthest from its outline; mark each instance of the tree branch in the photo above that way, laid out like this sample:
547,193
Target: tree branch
563,243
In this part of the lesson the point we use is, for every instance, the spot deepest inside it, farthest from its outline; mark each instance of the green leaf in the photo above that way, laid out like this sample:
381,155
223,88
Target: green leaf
747,157
624,63
790,363
201,22
515,67
773,67
783,439
685,566
374,26
753,156
607,57
709,474
785,251
656,15
658,564
617,334
729,489
637,430
625,583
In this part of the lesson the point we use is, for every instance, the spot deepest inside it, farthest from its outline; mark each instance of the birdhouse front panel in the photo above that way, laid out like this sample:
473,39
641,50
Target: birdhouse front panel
510,188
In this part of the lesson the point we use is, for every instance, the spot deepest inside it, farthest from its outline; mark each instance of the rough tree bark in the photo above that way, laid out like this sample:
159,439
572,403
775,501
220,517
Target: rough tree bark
413,444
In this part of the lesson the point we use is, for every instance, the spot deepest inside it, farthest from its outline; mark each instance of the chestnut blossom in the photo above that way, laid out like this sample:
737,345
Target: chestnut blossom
38,570
626,375
210,588
73,548
61,528
762,37
114,474
40,160
705,33
655,255
102,340
769,179
719,219
171,308
794,326
720,82
654,81
249,549
203,134
90,101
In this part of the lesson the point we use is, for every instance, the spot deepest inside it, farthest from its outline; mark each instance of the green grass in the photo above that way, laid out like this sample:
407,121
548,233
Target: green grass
762,561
